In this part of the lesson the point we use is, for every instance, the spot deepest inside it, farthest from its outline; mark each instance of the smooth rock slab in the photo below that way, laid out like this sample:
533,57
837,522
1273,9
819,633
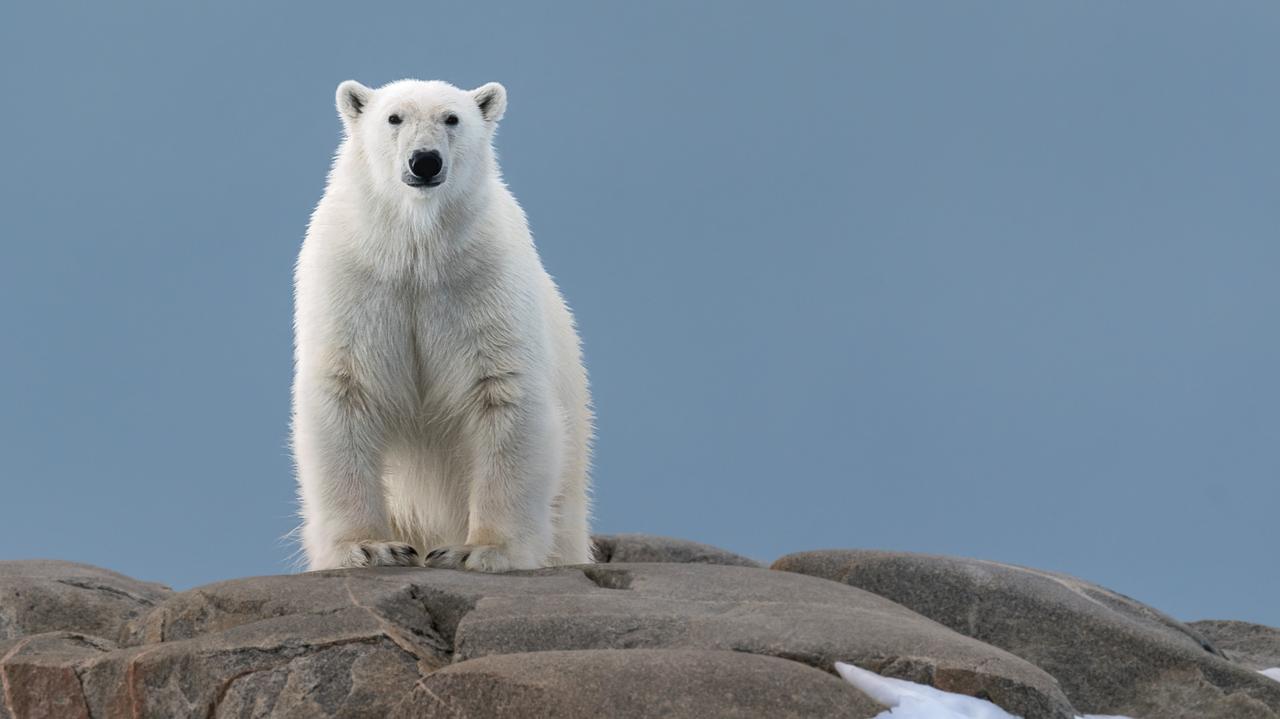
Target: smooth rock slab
42,595
1112,655
635,684
757,611
635,548
1256,646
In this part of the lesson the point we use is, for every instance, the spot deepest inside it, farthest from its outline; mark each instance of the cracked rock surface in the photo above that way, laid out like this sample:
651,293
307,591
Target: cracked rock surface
646,639
42,595
688,637
1111,654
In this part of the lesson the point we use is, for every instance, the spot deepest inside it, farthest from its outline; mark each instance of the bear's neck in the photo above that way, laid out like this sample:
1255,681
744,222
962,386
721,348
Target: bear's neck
426,238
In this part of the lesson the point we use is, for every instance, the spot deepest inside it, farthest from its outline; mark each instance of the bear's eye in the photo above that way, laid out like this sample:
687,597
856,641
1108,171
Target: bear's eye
394,119
452,119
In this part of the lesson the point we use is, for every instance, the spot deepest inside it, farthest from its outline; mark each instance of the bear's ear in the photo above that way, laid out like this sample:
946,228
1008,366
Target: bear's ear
352,98
492,99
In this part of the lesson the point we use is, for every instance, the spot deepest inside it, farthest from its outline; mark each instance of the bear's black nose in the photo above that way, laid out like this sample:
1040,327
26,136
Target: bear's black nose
426,164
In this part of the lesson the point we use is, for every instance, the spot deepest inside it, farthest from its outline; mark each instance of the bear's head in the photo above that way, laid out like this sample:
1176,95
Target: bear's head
420,140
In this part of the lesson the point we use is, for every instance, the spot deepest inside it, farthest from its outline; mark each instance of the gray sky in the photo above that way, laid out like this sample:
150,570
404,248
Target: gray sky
992,279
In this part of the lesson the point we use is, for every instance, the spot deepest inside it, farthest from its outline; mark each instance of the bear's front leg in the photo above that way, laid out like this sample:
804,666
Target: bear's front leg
338,446
515,445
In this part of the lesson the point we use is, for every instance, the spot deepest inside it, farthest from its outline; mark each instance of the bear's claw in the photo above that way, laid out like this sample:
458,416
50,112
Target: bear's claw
381,554
475,557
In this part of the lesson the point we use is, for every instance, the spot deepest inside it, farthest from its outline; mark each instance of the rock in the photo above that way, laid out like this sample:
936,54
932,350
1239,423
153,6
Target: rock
1112,655
1256,646
372,642
690,632
691,606
346,666
636,683
635,548
39,672
46,595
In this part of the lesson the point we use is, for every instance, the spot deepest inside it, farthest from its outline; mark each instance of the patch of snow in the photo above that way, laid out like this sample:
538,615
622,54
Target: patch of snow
1273,672
908,700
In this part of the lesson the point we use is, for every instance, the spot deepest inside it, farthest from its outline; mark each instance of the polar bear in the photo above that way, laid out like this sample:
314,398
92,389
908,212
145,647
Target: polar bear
440,404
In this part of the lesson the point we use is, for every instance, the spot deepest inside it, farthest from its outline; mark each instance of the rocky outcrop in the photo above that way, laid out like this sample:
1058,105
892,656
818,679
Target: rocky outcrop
45,595
1111,654
1254,645
690,631
649,548
340,643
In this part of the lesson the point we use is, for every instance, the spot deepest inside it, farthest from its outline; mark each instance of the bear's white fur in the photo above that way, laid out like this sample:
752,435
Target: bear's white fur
440,405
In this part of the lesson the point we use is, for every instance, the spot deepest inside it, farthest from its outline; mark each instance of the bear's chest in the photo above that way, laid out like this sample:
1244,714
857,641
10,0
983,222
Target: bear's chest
424,334
435,344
